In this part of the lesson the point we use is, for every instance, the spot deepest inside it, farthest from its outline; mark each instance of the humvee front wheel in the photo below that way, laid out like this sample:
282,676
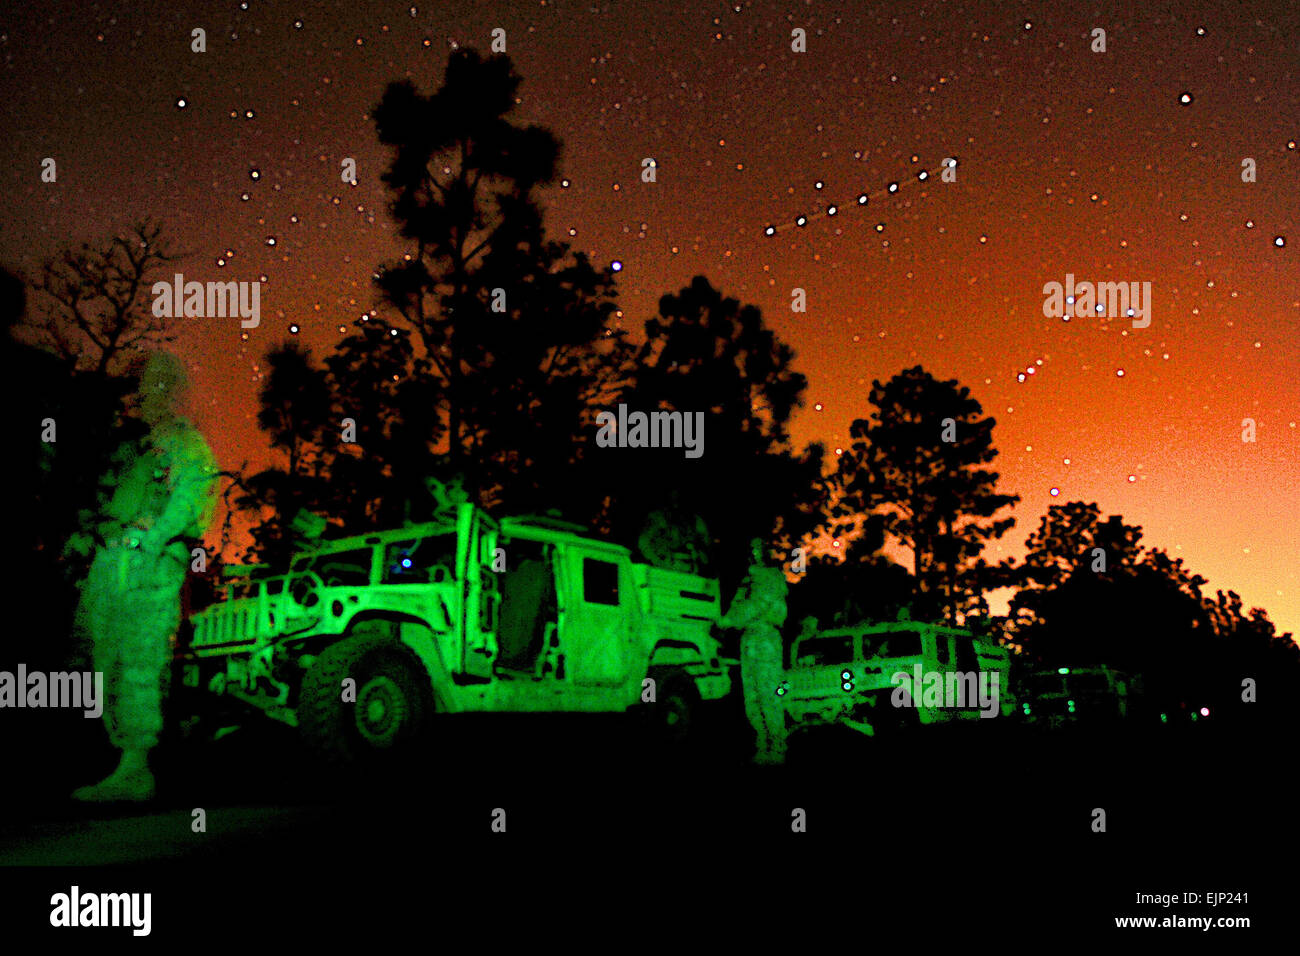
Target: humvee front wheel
392,706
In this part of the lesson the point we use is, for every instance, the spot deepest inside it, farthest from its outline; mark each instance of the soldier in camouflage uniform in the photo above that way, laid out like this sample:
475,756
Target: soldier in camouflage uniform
760,609
161,501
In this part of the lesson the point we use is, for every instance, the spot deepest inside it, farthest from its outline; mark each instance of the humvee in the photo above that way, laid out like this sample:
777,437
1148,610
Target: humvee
1067,695
457,615
846,675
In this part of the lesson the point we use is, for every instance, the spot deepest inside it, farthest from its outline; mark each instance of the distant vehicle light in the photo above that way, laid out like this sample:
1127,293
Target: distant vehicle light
1205,712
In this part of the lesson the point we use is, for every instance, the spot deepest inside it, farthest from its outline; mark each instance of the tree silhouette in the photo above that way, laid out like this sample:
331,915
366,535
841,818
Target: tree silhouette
1065,543
296,407
91,315
1252,650
864,585
64,423
380,384
513,327
498,344
1068,537
707,353
96,300
1146,619
1144,612
917,461
528,417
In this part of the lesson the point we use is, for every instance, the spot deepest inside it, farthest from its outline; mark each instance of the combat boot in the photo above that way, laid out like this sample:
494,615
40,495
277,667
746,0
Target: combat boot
131,782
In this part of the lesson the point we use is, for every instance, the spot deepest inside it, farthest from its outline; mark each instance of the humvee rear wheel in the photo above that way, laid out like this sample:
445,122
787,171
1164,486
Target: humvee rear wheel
672,715
392,707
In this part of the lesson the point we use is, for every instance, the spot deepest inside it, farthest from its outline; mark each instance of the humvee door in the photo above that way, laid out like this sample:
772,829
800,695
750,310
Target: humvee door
598,600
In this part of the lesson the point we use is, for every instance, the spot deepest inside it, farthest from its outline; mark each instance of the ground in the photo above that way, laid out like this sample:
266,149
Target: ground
891,827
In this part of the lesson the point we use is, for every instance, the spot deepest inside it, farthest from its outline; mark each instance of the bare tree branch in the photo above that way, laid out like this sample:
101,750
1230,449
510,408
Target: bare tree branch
96,297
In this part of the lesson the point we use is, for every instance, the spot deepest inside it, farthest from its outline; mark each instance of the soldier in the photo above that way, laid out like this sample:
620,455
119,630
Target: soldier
161,501
759,608
446,497
674,538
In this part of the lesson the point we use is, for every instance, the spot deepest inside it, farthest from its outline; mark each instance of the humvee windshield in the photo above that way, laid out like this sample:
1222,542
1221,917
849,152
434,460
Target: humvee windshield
338,568
1046,685
891,644
827,650
420,561
1089,684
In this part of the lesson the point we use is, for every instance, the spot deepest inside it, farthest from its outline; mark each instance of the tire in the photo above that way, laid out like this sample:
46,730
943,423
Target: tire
394,701
671,719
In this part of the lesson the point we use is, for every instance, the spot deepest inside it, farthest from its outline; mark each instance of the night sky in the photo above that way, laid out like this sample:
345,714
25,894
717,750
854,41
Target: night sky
1115,166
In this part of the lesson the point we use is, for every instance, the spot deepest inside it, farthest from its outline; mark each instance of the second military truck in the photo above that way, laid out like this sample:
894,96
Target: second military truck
880,676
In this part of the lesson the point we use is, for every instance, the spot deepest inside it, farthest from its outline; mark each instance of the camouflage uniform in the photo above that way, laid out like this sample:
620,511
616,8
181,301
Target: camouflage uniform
760,608
130,603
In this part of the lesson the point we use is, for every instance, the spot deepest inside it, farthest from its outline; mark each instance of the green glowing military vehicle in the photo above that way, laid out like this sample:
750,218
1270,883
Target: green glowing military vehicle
1068,695
458,615
882,677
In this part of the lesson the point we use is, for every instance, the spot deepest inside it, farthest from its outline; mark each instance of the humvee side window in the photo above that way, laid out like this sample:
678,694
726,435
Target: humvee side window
599,581
967,659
